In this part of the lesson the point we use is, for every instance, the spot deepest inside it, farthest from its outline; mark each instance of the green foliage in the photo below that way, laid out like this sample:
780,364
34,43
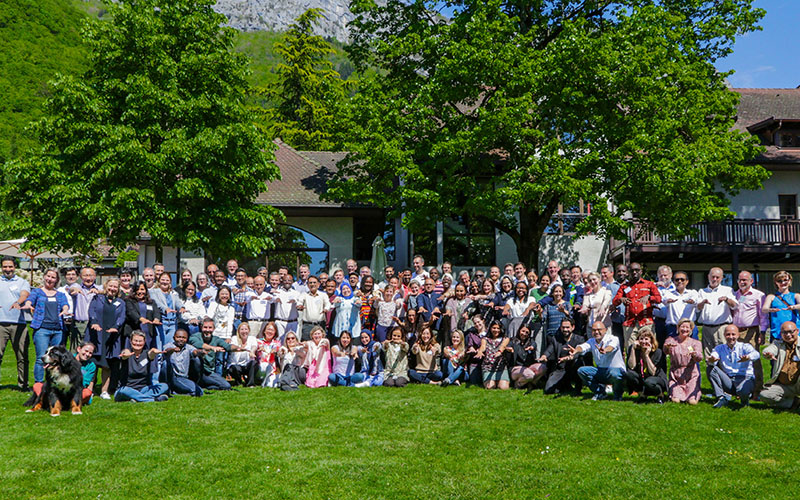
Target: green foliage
39,38
511,108
308,92
154,136
126,256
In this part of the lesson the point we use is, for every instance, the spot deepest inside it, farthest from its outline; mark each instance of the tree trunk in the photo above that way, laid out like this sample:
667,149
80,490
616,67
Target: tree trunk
532,224
159,253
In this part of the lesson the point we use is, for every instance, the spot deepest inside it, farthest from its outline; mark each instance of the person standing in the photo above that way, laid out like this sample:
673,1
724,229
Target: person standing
312,307
664,285
783,305
83,294
639,296
679,303
714,305
749,317
106,322
49,307
70,278
14,291
617,311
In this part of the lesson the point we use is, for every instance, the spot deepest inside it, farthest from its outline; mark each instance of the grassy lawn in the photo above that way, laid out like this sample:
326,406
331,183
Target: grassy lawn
417,442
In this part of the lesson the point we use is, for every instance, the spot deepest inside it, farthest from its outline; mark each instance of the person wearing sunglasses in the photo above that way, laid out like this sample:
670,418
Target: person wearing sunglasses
679,303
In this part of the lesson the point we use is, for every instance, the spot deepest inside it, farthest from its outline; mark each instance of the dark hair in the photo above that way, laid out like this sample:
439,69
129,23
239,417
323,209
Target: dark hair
7,258
136,287
240,270
230,294
498,323
184,286
125,270
570,320
81,345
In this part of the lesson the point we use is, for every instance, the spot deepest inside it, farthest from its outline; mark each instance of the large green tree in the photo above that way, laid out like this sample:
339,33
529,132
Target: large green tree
155,136
512,107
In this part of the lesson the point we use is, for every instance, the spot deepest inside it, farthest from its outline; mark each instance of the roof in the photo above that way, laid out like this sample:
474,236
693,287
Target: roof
759,107
304,178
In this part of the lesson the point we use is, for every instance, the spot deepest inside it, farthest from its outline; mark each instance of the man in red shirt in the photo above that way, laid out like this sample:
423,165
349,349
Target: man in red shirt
638,296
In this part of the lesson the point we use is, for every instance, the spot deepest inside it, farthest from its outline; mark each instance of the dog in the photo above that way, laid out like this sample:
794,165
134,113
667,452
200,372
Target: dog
63,383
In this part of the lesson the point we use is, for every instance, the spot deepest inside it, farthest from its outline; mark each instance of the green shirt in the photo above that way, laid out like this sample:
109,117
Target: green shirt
209,360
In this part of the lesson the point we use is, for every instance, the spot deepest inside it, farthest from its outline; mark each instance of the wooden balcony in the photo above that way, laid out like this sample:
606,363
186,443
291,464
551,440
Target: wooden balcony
755,237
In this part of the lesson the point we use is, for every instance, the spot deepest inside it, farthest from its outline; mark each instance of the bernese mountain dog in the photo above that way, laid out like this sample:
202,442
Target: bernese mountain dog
63,383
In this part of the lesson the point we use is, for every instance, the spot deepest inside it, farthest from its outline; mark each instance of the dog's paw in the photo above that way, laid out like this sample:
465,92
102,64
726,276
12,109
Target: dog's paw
30,410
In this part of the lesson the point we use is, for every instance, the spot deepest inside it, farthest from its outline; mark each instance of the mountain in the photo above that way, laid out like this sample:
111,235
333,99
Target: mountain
277,15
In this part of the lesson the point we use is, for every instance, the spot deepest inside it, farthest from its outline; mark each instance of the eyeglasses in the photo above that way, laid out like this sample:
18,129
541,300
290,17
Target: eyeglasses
680,279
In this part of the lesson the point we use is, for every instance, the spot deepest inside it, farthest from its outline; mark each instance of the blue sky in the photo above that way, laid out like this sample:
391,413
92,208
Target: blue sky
768,58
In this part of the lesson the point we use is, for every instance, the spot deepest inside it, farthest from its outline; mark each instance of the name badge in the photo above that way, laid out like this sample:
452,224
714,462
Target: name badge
149,308
795,358
51,299
627,290
143,361
116,302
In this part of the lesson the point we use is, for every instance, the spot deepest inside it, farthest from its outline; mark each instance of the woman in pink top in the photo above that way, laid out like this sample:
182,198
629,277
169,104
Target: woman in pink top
685,355
318,359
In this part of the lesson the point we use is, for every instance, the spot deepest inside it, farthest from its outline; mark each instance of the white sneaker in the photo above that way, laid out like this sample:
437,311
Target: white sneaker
362,384
609,390
105,395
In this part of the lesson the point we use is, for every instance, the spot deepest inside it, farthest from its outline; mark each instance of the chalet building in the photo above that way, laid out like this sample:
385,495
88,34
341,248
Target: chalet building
764,237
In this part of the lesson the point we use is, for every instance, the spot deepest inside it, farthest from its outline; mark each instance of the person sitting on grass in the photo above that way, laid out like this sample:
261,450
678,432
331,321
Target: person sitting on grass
610,367
291,358
646,374
473,340
212,345
318,359
453,358
493,361
242,365
562,371
782,387
183,365
343,356
526,370
369,353
136,376
426,350
685,353
730,369
396,372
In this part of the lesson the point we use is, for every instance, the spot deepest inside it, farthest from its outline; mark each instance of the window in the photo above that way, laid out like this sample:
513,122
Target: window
787,206
468,242
424,243
293,247
364,233
567,218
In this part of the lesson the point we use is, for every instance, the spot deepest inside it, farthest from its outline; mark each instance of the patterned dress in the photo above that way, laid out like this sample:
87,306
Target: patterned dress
684,371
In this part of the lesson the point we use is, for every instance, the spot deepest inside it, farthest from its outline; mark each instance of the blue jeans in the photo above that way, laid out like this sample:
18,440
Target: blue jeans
42,339
425,377
724,384
597,378
345,380
214,381
146,395
452,372
375,380
178,384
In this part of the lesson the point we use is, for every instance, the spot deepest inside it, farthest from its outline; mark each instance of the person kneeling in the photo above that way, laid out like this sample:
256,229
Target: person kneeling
782,388
646,373
211,344
183,365
608,358
730,368
137,372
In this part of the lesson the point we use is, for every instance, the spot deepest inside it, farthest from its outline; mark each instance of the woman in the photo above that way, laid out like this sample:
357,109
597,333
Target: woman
186,277
781,306
168,302
493,360
411,326
343,357
347,318
426,350
222,312
463,278
411,298
318,359
369,353
125,283
685,355
387,309
596,303
483,302
458,309
141,314
525,371
501,298
192,311
242,364
555,311
519,307
106,325
202,284
532,278
453,358
396,372
647,367
291,358
137,372
49,307
266,352
541,292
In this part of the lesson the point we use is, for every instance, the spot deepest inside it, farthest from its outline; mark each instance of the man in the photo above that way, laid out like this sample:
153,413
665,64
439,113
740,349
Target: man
263,271
714,306
419,273
239,297
447,268
312,306
494,277
730,368
232,266
14,292
638,295
211,344
562,376
607,276
82,295
664,285
259,307
149,277
351,266
782,387
302,276
618,312
285,313
552,270
520,273
158,270
183,363
330,291
679,303
751,321
388,273
70,278
210,293
211,270
610,369
363,273
508,270
429,305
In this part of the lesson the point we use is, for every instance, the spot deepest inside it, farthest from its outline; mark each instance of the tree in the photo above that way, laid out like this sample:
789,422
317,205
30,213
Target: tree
512,107
155,136
309,91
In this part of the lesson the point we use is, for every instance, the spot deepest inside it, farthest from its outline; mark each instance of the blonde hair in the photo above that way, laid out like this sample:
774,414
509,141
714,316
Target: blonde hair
780,275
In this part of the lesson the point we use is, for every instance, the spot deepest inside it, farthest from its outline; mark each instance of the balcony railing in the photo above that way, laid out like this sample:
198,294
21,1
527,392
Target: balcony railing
747,232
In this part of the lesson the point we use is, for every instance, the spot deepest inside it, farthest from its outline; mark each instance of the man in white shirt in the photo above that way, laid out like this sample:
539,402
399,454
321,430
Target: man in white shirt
664,285
312,307
302,275
286,299
259,306
714,310
388,273
730,368
610,369
679,303
419,273
553,271
230,279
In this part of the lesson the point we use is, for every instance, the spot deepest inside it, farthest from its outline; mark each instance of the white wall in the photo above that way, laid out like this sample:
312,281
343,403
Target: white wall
337,232
763,204
589,252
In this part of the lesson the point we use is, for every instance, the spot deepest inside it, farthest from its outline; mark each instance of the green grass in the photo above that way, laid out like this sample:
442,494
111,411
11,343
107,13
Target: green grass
417,442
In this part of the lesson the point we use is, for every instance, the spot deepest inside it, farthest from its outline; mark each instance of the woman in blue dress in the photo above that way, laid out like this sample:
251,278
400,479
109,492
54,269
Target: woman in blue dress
782,305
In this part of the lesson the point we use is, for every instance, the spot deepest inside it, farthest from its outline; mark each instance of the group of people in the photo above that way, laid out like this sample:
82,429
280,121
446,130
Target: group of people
611,331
